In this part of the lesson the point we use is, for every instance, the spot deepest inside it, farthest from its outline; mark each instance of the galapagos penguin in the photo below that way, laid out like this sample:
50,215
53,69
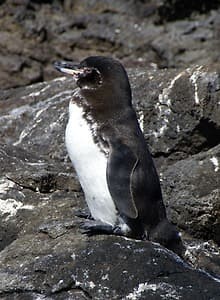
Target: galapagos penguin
111,157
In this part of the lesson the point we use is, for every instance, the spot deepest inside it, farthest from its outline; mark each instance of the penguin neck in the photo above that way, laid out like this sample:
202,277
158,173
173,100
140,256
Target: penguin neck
103,106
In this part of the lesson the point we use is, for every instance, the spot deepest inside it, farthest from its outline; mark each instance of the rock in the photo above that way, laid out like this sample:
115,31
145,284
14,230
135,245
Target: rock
172,10
192,189
167,33
204,255
99,268
178,110
43,253
40,113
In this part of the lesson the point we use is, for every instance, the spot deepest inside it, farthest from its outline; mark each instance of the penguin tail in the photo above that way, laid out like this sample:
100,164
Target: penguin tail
167,235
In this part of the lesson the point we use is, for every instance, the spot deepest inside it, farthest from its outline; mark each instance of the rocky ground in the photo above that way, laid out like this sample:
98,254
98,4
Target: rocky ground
167,33
43,254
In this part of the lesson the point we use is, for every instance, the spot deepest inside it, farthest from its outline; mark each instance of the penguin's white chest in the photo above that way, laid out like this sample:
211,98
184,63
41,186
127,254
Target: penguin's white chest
90,164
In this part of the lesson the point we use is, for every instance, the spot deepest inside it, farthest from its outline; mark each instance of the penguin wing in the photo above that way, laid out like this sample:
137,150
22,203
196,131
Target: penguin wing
120,168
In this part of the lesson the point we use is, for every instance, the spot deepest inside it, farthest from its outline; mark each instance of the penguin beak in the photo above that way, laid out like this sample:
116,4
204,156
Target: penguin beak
78,72
68,68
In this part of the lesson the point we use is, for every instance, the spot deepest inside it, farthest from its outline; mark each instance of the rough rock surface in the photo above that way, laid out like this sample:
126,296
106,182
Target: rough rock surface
164,32
195,180
103,268
44,255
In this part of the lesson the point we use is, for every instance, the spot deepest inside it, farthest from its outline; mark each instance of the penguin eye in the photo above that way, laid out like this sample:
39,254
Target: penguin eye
90,78
86,72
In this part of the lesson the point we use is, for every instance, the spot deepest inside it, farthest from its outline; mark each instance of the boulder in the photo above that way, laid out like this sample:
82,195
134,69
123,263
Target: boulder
73,267
43,253
192,189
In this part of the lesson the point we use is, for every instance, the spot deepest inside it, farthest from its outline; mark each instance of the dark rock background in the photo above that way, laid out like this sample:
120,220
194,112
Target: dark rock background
169,33
171,51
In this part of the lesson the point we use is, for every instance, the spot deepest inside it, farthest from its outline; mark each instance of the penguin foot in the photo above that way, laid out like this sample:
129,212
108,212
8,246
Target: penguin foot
84,214
91,228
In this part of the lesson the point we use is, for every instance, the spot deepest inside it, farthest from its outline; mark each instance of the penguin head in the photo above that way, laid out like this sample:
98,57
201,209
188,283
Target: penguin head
86,77
98,76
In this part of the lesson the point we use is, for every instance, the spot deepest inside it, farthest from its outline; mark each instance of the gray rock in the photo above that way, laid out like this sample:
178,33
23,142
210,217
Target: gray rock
167,33
192,189
204,255
179,110
43,253
172,10
99,268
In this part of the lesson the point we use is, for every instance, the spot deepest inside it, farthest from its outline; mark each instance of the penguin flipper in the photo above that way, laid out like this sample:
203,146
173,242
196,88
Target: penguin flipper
120,168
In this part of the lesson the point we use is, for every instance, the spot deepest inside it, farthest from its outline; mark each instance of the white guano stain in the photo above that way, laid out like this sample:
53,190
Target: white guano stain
78,283
192,250
10,207
165,290
5,185
140,115
105,277
39,111
215,162
163,106
208,249
15,113
91,284
41,297
27,130
36,94
63,78
142,287
73,256
193,78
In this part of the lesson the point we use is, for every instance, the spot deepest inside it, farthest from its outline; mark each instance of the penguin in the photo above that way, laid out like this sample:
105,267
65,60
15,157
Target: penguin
111,157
